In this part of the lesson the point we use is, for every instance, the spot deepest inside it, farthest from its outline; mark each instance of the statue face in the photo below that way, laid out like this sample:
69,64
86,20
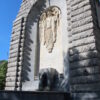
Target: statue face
55,11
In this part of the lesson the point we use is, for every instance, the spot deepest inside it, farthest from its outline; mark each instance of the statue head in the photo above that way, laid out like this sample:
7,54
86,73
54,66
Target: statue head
55,11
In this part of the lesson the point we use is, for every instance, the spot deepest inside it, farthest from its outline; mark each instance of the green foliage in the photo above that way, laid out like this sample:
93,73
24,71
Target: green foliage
3,69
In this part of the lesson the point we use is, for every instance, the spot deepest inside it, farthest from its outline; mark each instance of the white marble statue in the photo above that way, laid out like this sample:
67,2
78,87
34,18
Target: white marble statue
48,26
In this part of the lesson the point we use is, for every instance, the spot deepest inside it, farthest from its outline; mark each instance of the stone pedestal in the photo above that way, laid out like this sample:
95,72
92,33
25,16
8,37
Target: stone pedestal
8,95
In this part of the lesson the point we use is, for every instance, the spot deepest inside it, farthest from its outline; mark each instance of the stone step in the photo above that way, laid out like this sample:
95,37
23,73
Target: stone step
9,95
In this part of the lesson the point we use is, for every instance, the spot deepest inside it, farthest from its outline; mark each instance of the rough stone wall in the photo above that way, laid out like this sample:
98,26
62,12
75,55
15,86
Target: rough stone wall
15,62
25,8
84,50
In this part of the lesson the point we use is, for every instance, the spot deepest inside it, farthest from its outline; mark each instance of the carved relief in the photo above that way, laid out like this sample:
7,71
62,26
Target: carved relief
48,27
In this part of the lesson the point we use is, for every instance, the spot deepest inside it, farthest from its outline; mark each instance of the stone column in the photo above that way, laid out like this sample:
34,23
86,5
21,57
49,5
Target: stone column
84,35
13,76
15,61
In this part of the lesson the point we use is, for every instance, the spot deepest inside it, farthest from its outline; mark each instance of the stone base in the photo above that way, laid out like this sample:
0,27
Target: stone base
8,95
30,86
61,85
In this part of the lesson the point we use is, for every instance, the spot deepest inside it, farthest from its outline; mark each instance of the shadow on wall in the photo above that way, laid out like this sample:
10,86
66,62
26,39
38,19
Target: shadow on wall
64,81
33,17
85,65
84,74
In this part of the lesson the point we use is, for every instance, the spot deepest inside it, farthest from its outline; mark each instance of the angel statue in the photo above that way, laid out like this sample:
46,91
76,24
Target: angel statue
48,27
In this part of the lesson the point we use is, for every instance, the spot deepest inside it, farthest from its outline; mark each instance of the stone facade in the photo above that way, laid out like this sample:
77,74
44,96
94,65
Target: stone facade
83,32
84,50
14,71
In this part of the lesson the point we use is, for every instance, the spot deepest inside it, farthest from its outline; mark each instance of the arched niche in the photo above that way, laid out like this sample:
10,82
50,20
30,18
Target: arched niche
50,40
32,43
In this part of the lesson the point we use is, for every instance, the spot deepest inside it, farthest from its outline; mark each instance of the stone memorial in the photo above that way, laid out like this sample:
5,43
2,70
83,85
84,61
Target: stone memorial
55,47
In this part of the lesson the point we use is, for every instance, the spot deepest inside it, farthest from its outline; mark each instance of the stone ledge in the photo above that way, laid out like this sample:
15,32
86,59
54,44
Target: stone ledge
13,79
81,4
83,28
74,2
82,22
85,79
13,55
17,33
84,55
84,34
84,41
83,48
92,87
13,74
13,95
87,96
81,10
81,16
85,63
85,71
12,84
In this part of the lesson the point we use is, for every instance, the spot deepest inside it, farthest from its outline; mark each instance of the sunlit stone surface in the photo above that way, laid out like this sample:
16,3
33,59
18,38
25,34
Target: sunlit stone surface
51,40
